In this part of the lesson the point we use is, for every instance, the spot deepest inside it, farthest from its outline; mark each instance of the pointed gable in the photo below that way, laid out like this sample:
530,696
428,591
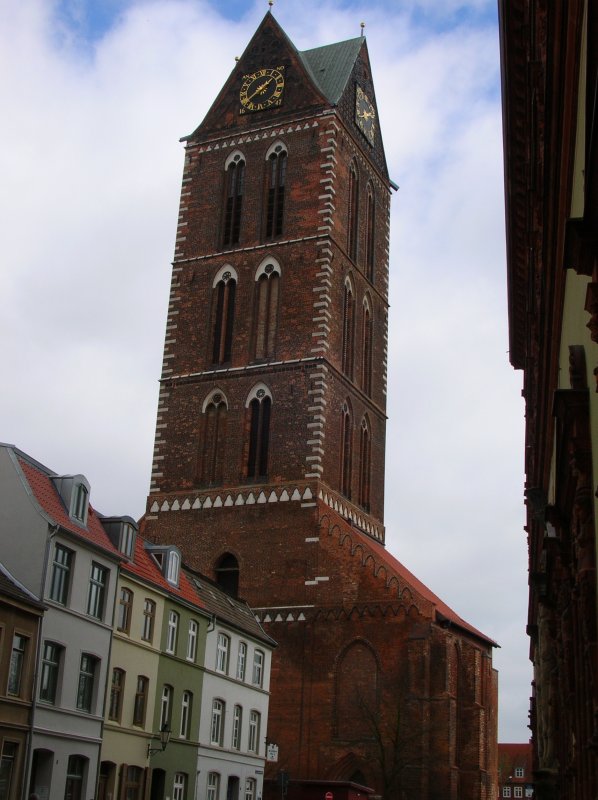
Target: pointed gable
270,48
330,67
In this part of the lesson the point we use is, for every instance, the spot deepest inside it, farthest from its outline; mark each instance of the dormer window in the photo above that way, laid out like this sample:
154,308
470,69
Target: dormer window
168,560
74,491
127,540
174,565
122,532
80,501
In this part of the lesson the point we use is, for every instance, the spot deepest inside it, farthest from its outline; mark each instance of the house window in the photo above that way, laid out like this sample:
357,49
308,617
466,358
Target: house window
179,787
254,732
140,701
353,212
186,705
49,672
519,772
75,773
214,435
365,450
241,661
506,791
348,330
97,591
266,310
87,673
7,763
125,607
250,787
192,640
366,349
258,668
346,451
80,502
370,227
276,172
133,783
224,312
165,706
235,187
171,635
213,792
259,434
17,663
518,791
174,565
222,649
149,615
116,694
237,723
127,540
61,572
217,728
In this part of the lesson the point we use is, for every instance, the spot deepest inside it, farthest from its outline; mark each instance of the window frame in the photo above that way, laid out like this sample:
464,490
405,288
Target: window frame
253,739
213,786
186,711
125,609
179,786
237,730
140,701
50,673
86,685
192,637
257,673
60,580
217,722
97,593
172,632
149,619
117,690
250,788
17,664
166,705
222,652
241,661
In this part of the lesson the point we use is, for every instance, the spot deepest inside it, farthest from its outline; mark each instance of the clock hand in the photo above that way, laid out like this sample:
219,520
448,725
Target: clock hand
260,88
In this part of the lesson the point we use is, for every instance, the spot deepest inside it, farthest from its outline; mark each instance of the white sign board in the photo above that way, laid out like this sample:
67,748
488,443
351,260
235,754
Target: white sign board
272,752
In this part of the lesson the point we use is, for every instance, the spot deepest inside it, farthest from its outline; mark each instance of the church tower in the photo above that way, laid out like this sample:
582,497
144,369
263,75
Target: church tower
268,466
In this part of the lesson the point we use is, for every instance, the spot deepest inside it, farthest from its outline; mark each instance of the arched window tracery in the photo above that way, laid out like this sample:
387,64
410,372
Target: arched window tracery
267,285
370,239
366,348
259,404
233,204
276,171
211,457
365,457
348,329
225,288
353,211
346,450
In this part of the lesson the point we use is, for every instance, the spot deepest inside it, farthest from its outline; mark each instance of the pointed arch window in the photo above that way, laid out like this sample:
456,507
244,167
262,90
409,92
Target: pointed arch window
235,187
366,349
259,404
227,574
225,287
353,221
267,279
276,170
365,458
346,450
211,458
348,329
370,228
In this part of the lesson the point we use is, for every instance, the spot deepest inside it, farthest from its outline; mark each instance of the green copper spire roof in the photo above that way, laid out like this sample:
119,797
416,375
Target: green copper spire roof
330,66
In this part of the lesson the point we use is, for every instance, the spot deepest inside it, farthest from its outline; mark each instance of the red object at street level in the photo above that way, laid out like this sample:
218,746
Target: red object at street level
328,796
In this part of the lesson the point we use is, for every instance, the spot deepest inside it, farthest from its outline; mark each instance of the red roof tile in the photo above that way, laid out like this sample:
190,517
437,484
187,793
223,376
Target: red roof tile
143,566
394,566
50,501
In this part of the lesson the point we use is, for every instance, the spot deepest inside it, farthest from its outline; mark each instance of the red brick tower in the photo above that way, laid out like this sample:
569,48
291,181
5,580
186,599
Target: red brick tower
269,456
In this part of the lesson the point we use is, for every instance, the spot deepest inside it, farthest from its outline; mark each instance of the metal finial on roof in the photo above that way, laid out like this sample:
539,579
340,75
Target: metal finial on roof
237,58
362,26
270,3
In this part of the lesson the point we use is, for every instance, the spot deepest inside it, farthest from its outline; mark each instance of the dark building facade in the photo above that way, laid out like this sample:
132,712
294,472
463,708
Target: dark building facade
269,456
549,60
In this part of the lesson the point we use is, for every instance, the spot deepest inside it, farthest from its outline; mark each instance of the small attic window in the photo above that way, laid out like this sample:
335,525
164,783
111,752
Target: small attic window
127,540
80,502
174,565
122,532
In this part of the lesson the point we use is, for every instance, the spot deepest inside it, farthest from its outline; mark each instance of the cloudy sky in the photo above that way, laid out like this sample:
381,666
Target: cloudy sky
95,96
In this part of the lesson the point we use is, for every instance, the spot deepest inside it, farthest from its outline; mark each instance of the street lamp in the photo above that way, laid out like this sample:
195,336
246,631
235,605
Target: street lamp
164,739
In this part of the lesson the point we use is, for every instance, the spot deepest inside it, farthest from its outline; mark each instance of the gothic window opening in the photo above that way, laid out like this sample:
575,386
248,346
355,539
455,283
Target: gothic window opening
276,166
235,187
266,312
353,222
346,451
369,235
356,693
224,311
365,451
227,574
366,346
259,404
348,329
214,434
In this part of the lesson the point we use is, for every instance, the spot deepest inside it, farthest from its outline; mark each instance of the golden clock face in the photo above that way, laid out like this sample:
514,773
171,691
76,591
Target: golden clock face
262,89
365,115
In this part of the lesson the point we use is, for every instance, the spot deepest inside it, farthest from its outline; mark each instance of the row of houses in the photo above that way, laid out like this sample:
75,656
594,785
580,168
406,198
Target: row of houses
124,675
